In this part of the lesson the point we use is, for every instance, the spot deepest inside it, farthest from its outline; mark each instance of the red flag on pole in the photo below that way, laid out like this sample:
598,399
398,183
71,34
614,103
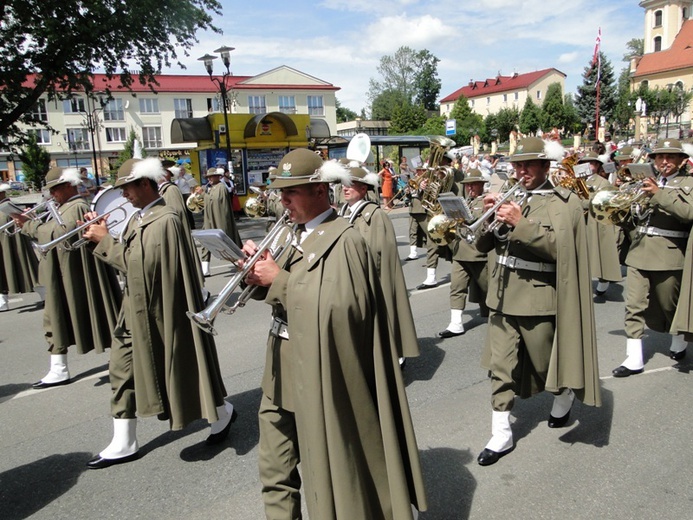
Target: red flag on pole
597,44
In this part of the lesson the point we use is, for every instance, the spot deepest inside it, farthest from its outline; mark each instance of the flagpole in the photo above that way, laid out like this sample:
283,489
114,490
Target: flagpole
598,58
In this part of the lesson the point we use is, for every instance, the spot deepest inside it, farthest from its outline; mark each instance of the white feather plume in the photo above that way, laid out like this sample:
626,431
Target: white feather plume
688,148
72,176
149,168
554,150
604,158
372,179
136,149
333,171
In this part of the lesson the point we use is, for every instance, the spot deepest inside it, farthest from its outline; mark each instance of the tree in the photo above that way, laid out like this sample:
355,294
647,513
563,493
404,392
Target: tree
572,119
384,105
586,99
552,110
468,123
413,75
344,114
426,81
506,119
625,106
530,117
406,118
53,47
36,162
636,48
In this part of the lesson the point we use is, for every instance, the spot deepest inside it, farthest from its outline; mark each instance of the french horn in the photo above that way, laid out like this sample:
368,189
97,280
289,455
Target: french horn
196,200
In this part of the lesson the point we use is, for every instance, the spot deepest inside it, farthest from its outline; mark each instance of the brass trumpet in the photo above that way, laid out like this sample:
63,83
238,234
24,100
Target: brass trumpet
32,214
205,318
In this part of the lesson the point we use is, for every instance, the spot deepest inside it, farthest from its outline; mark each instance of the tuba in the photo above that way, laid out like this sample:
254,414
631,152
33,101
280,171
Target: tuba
439,180
564,175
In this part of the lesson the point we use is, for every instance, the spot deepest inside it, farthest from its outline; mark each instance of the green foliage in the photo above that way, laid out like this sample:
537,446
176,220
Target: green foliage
552,110
410,75
432,126
468,123
62,41
586,99
625,104
406,118
35,162
636,48
572,120
530,117
385,104
506,120
344,114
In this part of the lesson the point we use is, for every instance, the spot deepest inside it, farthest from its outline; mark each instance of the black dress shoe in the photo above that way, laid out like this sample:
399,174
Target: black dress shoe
625,372
100,462
488,457
677,356
449,334
558,422
216,438
425,286
38,385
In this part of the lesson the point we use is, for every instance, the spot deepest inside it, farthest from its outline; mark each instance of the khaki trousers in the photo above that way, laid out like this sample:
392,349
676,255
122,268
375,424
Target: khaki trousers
278,459
461,275
120,372
520,352
651,298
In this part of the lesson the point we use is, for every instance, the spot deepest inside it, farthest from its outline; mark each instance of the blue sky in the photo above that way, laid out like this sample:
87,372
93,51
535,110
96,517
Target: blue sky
342,41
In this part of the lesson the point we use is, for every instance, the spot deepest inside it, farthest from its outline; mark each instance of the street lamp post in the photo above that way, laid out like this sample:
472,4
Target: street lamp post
92,124
223,85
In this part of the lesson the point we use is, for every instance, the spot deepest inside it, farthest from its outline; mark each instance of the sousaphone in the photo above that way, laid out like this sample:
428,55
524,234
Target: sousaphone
359,148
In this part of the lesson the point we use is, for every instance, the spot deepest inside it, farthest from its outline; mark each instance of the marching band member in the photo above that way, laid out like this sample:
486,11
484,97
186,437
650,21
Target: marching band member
333,396
541,333
601,240
161,365
469,274
218,213
18,263
82,295
656,255
376,228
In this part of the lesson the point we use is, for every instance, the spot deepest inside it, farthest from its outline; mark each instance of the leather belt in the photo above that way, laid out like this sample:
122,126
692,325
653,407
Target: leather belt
279,328
652,231
512,262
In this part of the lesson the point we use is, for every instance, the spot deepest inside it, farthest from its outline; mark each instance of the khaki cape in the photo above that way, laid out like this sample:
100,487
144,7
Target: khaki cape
218,214
18,262
175,365
359,457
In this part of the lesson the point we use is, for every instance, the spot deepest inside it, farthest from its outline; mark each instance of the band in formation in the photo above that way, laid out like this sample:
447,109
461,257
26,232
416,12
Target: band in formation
123,272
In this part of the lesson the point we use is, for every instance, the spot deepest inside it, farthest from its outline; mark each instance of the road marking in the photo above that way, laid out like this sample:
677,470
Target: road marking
654,370
31,391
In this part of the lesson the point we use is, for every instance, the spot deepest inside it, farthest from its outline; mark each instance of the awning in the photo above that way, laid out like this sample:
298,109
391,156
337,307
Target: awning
288,124
191,130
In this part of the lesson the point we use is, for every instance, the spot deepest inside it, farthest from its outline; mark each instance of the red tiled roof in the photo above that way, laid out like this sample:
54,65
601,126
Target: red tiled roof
498,84
678,56
193,83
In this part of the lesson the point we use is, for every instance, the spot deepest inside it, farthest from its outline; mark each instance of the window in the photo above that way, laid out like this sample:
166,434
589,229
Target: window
78,139
183,108
517,96
149,105
488,100
115,135
315,107
73,106
505,98
113,110
684,13
658,18
214,104
39,111
42,136
471,103
287,104
658,44
256,105
151,137
538,94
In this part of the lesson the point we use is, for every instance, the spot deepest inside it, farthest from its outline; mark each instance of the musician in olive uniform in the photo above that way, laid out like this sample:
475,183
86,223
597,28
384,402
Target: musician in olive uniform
541,333
82,295
469,274
601,239
656,256
218,212
333,396
161,365
18,262
376,228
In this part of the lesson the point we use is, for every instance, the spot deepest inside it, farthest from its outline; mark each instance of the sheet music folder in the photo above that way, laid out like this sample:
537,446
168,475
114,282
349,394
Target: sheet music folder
454,207
10,208
219,244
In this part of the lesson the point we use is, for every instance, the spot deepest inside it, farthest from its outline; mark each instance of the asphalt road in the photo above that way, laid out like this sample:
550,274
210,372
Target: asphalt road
631,458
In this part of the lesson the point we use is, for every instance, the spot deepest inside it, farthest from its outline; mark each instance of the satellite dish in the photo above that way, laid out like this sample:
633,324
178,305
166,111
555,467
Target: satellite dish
359,148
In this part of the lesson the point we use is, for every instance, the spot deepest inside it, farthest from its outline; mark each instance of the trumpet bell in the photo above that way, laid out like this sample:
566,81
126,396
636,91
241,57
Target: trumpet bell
442,230
254,208
196,202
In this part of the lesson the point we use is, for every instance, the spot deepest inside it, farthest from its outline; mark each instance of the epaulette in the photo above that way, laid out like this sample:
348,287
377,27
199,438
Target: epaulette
562,192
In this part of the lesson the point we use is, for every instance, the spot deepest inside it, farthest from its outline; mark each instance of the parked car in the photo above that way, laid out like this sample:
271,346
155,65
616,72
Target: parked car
503,166
16,185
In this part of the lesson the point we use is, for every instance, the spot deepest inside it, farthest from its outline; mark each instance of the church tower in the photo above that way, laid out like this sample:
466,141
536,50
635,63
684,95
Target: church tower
663,20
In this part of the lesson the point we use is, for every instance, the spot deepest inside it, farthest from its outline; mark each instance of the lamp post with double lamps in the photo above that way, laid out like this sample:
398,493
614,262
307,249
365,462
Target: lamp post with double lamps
223,85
